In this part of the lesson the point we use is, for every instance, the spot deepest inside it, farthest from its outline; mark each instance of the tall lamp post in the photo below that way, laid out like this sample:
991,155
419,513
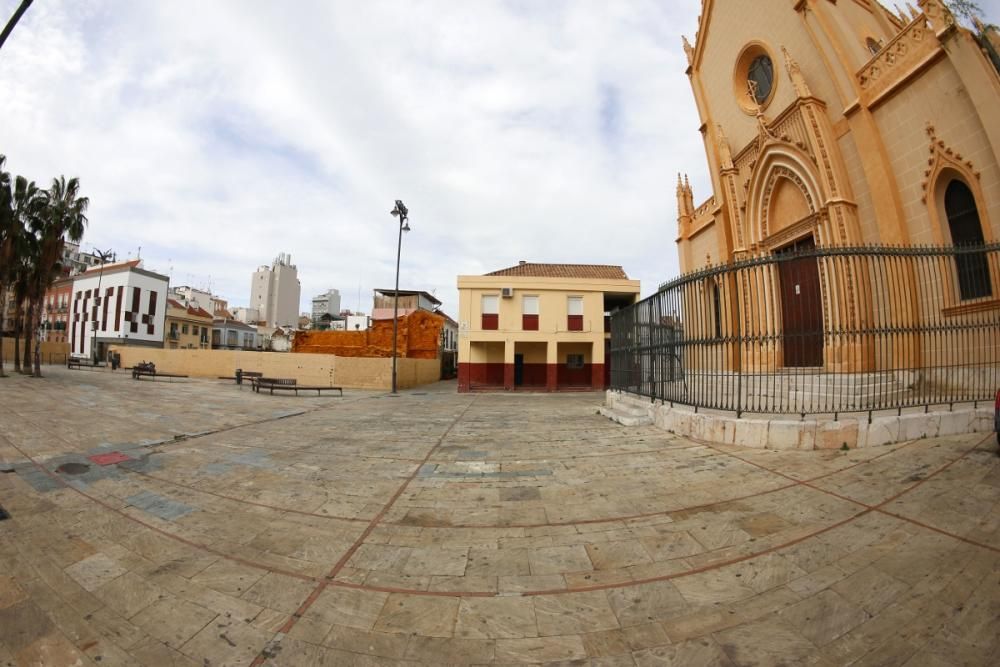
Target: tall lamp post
104,256
401,212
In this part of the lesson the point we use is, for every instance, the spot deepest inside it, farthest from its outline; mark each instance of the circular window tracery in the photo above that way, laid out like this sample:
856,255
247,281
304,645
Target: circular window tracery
754,83
760,78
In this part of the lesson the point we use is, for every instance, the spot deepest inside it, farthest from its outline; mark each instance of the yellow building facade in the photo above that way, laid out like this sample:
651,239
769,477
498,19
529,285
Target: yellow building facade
539,326
187,328
838,124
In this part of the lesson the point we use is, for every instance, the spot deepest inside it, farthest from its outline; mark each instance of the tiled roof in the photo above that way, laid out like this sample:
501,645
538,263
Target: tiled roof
175,304
199,312
533,270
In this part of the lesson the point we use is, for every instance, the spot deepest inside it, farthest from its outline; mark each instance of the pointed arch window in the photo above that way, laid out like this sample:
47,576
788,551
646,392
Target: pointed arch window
966,232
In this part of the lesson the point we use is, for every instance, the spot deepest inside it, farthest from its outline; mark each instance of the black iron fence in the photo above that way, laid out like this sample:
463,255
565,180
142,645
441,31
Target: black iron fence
819,330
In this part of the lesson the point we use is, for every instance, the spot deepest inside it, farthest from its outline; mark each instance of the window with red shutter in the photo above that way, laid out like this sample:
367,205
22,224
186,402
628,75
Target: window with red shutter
491,312
574,310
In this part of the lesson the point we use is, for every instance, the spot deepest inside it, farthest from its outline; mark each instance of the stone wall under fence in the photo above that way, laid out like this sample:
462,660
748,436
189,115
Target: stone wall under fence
314,369
782,432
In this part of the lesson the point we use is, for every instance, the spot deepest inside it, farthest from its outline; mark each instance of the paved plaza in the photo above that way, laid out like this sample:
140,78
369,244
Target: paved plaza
197,523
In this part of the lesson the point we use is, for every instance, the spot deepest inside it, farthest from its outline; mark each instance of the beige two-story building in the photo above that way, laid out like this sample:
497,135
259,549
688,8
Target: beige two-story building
187,327
539,326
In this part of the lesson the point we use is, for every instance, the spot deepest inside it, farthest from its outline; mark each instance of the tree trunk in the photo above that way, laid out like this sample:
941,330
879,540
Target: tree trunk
17,336
38,358
28,334
3,313
38,339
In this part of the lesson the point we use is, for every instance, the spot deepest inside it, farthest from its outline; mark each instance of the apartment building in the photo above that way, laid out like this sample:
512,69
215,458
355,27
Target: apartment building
539,326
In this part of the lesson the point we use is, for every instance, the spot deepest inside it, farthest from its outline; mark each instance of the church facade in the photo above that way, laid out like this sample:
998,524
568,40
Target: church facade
836,124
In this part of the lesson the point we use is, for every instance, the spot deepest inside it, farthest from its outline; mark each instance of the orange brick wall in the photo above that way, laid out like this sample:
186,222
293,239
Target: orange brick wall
418,338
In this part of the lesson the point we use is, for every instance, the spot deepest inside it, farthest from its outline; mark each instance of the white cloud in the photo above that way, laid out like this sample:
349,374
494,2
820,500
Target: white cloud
216,135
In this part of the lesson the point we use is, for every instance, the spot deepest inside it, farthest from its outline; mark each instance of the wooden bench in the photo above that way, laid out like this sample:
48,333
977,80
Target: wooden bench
288,384
141,372
78,364
247,375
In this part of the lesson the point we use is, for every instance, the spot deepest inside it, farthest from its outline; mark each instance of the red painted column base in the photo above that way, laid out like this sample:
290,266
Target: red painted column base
597,376
508,377
551,377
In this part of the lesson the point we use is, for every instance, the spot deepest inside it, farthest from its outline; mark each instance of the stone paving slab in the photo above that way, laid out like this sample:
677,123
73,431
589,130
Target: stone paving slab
437,528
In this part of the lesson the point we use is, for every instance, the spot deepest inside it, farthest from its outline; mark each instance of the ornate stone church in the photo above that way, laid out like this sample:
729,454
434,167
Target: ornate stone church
842,123
833,124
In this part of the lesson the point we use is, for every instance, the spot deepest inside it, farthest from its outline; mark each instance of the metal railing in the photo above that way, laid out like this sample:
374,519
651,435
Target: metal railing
820,330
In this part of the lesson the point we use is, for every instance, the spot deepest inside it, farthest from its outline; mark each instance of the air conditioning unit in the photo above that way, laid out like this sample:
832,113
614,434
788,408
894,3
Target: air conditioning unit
507,292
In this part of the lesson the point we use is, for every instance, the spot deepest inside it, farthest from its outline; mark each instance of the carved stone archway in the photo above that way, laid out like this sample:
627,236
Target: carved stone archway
781,164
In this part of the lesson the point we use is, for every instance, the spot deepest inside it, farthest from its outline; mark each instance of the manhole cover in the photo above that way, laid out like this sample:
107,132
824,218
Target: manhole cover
73,468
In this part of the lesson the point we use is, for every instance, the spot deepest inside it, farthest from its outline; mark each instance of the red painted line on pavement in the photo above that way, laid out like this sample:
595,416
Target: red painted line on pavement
314,595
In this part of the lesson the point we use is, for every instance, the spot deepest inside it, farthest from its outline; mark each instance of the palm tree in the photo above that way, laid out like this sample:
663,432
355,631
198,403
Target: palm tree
20,285
62,215
28,206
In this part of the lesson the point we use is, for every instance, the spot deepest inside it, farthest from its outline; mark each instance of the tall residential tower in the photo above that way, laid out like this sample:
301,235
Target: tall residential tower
275,292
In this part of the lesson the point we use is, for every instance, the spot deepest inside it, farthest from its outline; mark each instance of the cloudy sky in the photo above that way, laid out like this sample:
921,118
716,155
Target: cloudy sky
218,134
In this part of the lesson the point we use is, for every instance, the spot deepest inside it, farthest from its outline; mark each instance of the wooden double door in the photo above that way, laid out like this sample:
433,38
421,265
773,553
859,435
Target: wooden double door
801,305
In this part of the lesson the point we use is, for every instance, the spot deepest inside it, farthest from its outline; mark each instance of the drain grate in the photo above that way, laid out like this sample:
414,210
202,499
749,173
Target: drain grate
3,513
73,468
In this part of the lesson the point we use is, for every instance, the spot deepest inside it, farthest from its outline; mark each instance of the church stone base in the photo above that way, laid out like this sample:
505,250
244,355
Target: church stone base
783,432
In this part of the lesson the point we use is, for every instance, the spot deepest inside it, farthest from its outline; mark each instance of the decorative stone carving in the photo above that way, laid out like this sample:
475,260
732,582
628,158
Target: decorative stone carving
938,15
764,133
772,181
795,74
942,155
906,48
725,153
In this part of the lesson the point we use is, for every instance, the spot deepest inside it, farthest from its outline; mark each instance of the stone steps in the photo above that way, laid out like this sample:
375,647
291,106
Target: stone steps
627,415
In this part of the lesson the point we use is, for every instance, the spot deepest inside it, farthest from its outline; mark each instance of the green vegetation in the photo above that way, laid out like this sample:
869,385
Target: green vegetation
34,224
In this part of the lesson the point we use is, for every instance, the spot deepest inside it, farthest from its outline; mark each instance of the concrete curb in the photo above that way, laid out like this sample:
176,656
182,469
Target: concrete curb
781,432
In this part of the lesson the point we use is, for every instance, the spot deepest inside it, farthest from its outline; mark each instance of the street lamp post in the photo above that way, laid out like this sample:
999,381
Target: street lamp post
401,212
103,256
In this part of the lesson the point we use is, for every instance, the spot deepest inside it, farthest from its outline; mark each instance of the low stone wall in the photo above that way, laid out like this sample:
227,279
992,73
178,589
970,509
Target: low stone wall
54,353
318,369
783,432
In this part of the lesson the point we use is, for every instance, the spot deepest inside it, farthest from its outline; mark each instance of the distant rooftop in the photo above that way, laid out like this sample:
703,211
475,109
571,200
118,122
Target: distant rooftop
536,270
409,292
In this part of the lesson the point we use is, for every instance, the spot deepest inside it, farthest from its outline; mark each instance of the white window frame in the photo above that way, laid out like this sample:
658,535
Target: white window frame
529,304
495,303
570,301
